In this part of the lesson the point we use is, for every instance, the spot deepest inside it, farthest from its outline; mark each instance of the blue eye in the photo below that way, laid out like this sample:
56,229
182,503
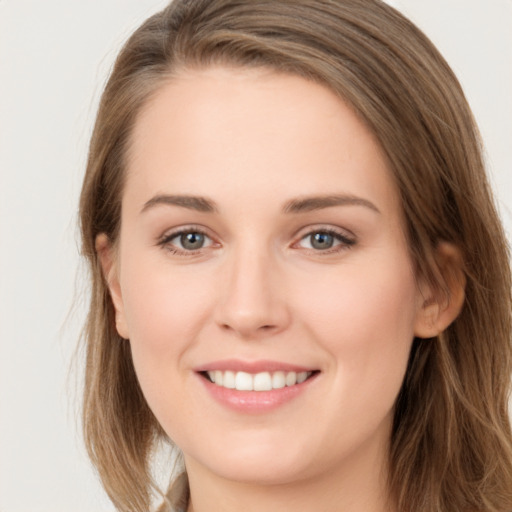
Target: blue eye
192,241
186,241
323,240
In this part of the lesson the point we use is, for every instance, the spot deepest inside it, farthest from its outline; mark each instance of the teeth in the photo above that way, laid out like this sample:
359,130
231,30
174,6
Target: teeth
243,381
278,380
301,377
264,381
228,380
291,379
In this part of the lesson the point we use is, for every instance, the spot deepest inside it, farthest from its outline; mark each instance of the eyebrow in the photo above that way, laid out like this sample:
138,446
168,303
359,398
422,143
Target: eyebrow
299,205
200,204
308,204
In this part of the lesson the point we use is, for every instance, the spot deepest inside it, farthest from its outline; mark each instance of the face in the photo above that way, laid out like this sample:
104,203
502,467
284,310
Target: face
263,277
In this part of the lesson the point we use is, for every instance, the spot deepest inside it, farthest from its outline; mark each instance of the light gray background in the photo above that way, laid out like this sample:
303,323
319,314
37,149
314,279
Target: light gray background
54,58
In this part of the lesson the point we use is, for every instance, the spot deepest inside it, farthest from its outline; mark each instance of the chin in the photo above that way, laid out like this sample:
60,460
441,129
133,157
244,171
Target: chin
259,472
261,461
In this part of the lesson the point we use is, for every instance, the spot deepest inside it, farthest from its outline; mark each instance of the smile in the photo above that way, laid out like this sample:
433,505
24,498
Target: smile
262,381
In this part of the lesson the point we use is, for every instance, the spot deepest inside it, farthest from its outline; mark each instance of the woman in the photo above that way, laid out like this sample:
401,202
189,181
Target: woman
299,277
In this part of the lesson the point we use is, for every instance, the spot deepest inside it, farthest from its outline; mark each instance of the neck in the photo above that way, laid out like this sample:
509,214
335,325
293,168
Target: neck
360,484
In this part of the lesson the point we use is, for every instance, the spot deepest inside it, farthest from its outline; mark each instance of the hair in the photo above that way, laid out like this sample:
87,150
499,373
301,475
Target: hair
451,443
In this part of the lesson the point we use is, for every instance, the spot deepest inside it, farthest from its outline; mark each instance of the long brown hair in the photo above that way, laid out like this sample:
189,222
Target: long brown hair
451,445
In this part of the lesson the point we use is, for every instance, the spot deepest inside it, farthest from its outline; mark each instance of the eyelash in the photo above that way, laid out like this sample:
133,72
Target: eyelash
345,242
165,241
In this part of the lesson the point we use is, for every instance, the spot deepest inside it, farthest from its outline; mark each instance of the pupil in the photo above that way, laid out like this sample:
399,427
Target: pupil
192,240
322,241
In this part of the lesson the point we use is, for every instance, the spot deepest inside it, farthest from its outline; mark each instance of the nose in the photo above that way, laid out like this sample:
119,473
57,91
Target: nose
253,302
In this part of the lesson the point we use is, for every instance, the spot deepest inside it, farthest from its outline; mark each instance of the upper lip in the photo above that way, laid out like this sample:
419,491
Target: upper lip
258,366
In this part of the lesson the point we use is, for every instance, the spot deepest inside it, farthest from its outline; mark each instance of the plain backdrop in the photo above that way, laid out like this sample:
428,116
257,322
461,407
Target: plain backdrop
55,56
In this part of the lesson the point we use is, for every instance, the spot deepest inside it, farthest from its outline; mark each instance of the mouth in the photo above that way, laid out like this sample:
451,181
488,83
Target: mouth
258,386
262,381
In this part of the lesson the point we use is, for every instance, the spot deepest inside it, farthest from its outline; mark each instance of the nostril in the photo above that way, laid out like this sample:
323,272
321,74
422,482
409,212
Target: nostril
267,327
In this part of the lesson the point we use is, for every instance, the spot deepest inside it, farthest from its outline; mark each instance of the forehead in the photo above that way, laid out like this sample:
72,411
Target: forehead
212,131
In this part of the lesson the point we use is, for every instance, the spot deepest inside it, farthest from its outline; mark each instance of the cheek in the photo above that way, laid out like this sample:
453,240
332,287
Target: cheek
164,312
364,318
160,304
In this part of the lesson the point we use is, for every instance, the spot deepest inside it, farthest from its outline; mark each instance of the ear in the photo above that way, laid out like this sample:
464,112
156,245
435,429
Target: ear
440,305
109,264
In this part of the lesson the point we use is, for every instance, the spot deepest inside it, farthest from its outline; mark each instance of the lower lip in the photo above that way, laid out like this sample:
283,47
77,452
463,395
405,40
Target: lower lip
256,401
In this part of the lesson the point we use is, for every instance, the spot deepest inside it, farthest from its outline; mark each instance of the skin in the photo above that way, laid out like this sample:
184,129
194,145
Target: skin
251,141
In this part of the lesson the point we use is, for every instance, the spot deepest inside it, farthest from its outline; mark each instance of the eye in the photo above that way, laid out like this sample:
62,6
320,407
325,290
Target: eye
327,240
192,241
186,241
